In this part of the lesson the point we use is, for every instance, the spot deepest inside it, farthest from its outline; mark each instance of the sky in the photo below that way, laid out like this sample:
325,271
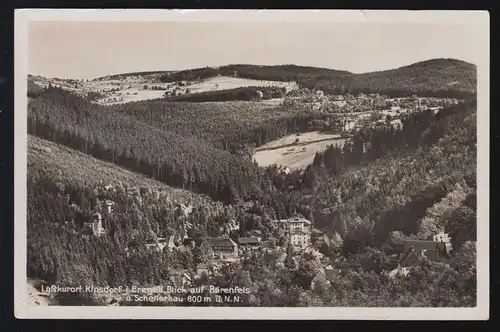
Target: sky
93,49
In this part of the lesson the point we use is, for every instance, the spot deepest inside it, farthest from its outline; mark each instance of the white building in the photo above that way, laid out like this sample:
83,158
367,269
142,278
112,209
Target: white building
299,230
443,237
95,226
109,206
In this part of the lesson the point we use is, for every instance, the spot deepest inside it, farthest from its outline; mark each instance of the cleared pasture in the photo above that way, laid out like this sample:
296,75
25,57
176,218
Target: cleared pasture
226,83
296,156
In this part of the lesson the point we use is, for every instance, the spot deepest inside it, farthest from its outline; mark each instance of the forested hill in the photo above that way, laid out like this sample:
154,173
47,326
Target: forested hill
178,160
384,187
284,73
436,77
66,187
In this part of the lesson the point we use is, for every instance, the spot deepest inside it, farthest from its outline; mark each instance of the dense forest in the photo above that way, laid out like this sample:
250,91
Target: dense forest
433,78
243,93
283,73
65,189
396,183
376,167
179,160
385,185
229,126
34,90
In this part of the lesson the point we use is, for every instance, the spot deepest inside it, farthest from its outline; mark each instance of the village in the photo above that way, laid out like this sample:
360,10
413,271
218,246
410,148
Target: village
110,90
364,110
302,243
302,240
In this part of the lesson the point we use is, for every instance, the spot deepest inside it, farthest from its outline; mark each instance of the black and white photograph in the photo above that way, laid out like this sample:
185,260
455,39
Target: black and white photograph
272,164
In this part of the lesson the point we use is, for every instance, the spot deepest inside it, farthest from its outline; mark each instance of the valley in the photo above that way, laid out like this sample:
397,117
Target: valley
305,194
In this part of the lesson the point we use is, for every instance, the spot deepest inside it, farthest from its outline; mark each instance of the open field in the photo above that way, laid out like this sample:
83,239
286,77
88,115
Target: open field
226,83
132,89
273,101
282,152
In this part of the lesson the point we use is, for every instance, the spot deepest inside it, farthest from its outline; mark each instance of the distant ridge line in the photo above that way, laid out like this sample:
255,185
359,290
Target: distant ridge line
283,66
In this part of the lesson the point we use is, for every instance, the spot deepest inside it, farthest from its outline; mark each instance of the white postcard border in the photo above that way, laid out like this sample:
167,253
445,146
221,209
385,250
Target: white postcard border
476,19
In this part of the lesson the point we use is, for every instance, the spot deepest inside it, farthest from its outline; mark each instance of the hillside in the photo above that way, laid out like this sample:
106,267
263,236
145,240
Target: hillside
232,88
66,187
284,73
405,169
432,78
439,78
57,161
34,89
405,184
178,160
228,125
436,77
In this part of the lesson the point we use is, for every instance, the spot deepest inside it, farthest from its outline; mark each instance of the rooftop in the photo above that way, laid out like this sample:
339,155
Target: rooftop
202,266
296,219
222,241
248,240
424,244
415,248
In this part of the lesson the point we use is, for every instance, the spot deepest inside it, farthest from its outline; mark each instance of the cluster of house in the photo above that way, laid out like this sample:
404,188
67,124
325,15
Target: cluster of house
298,229
171,242
437,249
224,249
361,103
300,234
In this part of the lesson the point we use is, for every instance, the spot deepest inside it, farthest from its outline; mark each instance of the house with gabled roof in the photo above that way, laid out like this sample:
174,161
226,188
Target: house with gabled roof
250,242
316,234
324,276
202,268
414,250
159,244
156,245
223,247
